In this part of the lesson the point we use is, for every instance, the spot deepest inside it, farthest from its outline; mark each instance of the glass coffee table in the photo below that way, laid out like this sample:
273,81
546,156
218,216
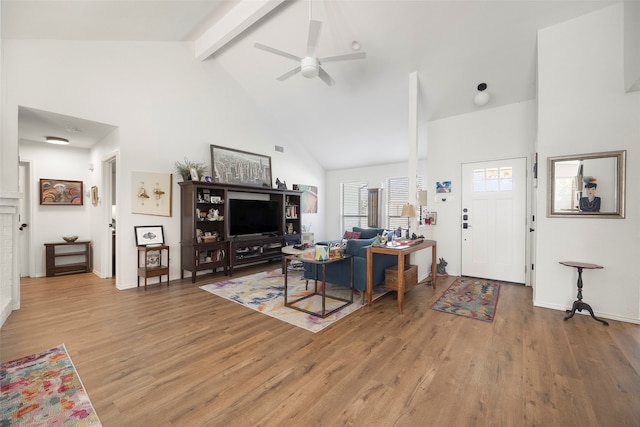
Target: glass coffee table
306,258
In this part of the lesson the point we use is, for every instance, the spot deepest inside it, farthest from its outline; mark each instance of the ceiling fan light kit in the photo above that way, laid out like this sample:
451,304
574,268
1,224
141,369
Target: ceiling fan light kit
310,65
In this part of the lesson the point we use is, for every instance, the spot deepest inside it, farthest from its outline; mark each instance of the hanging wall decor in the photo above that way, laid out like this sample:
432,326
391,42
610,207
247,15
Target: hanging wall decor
60,192
229,166
151,193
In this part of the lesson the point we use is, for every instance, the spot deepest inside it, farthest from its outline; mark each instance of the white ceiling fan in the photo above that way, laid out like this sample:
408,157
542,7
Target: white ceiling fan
310,65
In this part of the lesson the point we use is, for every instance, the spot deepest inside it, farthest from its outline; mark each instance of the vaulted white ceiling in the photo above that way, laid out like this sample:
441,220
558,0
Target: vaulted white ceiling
452,45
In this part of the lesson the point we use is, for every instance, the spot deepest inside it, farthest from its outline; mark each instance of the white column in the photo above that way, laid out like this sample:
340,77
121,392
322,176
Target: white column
412,164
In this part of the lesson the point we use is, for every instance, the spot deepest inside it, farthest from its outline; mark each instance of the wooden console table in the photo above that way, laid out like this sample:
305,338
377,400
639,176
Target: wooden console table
403,258
58,251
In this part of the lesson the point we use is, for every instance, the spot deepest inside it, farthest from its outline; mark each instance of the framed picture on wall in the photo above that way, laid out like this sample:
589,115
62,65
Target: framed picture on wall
229,166
151,193
94,195
60,192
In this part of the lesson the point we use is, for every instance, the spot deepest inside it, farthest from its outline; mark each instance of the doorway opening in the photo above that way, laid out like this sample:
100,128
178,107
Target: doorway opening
25,180
109,178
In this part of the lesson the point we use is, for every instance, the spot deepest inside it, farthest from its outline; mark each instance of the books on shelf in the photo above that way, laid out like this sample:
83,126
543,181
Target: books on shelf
291,212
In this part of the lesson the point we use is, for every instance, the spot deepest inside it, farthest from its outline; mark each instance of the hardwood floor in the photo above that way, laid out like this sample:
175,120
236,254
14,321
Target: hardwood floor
179,356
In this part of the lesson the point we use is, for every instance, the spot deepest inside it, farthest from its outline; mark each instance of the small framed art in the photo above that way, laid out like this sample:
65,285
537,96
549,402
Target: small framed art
94,195
149,235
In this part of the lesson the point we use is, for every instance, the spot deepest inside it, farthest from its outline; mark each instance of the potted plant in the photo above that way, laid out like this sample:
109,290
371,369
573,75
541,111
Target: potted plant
185,169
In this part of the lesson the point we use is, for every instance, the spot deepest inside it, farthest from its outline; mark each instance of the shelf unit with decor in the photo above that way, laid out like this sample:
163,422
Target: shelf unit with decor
68,258
150,263
292,215
204,237
202,234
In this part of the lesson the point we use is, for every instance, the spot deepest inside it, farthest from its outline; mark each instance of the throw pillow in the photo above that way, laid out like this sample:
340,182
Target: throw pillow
351,235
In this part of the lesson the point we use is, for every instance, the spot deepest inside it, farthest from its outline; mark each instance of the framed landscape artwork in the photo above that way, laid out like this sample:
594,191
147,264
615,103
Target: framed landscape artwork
229,166
60,192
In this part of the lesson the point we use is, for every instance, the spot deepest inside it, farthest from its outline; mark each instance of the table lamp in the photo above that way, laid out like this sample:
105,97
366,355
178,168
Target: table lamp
408,211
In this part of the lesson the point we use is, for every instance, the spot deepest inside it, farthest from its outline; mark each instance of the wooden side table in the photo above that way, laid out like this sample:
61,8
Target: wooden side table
579,305
403,253
150,266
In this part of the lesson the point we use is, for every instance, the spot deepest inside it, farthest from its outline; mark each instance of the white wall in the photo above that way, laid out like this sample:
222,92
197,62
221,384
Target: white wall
166,105
632,45
490,134
51,223
583,108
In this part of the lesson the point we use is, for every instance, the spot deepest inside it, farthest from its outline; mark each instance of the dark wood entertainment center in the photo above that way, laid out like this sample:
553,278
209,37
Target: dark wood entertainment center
205,239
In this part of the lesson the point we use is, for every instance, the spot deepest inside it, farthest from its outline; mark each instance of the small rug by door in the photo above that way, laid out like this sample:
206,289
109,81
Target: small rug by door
44,390
264,292
470,297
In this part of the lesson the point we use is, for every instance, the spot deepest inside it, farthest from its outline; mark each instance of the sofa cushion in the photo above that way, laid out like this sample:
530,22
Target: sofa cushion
358,247
351,235
368,233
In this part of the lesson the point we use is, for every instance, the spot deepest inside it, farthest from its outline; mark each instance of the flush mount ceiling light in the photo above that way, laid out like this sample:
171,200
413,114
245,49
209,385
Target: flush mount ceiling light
482,97
56,140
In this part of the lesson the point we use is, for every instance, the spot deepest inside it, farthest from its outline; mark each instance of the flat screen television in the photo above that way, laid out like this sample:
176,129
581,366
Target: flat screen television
253,217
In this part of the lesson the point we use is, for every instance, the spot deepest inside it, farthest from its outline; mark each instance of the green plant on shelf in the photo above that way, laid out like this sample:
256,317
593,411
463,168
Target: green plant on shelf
184,169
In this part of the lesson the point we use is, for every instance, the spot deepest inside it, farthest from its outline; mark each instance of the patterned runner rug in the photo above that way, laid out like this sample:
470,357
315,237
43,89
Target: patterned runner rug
470,297
264,292
44,390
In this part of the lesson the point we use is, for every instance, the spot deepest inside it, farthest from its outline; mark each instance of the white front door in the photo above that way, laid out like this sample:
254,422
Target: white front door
494,220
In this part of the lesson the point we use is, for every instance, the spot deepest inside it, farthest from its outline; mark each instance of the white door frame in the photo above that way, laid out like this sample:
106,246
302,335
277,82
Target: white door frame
109,186
528,249
25,241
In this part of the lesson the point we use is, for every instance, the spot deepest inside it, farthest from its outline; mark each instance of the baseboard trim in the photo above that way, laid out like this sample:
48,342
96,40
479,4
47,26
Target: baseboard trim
597,313
6,312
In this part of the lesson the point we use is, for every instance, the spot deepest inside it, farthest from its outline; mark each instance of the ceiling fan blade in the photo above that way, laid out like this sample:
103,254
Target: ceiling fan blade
288,74
277,52
325,77
357,55
314,36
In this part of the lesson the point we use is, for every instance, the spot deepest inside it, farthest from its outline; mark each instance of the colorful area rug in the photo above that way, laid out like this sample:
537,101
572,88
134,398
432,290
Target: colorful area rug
470,297
44,390
264,292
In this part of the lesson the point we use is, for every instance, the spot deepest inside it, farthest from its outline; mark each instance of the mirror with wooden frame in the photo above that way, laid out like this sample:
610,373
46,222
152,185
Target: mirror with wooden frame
586,185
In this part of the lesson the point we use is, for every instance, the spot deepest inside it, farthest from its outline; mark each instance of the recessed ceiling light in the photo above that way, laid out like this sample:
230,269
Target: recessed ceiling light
355,45
56,140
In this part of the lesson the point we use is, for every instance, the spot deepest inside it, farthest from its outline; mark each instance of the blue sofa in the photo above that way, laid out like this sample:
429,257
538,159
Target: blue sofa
338,273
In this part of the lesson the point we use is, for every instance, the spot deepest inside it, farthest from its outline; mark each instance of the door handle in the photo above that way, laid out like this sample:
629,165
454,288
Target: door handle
531,229
22,226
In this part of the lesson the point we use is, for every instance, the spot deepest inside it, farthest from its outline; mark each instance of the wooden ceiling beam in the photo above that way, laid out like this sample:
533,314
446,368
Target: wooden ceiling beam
234,23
